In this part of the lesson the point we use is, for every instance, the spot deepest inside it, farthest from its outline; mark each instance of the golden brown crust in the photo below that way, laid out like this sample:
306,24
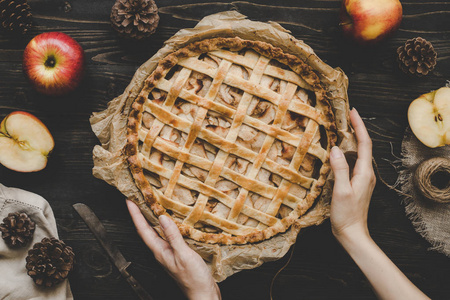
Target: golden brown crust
325,119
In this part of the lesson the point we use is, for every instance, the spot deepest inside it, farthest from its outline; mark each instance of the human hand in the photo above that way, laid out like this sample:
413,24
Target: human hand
349,208
351,197
181,262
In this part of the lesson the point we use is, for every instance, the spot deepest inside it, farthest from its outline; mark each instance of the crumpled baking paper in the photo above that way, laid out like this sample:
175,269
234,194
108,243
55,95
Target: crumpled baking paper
110,128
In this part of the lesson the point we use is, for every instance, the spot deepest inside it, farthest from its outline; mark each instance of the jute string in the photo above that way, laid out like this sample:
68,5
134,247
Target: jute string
279,271
392,187
432,179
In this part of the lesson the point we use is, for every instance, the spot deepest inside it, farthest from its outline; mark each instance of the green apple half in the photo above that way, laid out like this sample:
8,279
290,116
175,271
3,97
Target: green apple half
25,142
429,118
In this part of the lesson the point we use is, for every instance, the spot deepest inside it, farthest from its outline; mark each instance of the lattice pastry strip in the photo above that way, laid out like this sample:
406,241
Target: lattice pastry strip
172,95
268,142
232,135
273,71
195,127
217,124
169,183
228,146
250,184
285,136
298,158
207,190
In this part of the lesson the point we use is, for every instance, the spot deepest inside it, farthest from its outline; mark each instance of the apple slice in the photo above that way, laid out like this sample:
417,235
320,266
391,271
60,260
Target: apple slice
429,118
25,142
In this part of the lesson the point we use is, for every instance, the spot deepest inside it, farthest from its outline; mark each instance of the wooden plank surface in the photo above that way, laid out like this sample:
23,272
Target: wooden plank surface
319,269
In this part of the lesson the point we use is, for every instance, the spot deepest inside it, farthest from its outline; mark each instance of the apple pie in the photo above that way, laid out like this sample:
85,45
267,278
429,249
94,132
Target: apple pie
231,139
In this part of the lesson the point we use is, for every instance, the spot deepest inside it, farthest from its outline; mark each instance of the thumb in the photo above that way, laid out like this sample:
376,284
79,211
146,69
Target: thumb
340,168
172,233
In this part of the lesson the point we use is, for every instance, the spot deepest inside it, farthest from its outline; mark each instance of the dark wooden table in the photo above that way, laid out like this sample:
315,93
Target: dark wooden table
319,269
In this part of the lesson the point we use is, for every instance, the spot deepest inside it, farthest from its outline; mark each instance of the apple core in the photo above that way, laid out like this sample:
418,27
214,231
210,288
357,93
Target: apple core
50,62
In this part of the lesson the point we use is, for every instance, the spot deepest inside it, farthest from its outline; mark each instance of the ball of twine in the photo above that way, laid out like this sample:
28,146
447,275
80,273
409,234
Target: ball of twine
432,179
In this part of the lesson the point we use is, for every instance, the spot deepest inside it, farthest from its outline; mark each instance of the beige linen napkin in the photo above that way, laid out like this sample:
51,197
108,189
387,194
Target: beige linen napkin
15,284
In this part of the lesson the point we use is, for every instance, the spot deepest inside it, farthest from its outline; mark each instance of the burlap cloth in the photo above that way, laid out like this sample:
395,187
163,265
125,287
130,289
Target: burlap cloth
430,219
15,284
110,128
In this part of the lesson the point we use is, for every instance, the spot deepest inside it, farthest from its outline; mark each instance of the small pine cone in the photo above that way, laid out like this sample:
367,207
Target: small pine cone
15,15
136,19
417,57
17,229
49,262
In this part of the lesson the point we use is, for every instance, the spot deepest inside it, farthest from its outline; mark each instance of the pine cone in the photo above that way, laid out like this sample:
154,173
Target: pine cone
15,15
49,262
17,229
135,19
417,57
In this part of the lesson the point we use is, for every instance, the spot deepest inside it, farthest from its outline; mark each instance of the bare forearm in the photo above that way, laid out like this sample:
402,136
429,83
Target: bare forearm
212,294
386,279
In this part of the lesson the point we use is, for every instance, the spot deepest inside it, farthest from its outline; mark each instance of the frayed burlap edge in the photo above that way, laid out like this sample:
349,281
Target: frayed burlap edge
412,154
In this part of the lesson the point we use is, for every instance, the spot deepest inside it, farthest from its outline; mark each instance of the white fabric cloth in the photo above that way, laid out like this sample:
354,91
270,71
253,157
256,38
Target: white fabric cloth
15,284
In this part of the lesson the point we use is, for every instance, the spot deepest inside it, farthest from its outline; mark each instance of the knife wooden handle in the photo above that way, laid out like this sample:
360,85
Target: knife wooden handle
137,287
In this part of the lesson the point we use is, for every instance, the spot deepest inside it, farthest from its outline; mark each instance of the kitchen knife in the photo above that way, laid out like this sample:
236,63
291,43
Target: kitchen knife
111,249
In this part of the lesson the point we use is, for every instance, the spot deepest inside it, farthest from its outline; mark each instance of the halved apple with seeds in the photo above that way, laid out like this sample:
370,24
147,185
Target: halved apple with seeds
25,142
429,118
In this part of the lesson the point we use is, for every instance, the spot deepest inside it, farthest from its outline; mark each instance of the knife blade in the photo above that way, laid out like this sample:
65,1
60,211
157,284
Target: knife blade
111,249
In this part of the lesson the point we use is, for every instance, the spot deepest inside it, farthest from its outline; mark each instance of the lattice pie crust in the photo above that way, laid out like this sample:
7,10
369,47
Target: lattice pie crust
231,139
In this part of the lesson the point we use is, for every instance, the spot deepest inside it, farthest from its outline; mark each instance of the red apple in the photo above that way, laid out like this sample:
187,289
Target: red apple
25,142
370,21
54,63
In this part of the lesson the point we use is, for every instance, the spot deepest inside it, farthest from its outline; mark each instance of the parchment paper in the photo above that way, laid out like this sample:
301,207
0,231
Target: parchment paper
110,128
